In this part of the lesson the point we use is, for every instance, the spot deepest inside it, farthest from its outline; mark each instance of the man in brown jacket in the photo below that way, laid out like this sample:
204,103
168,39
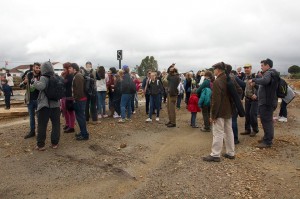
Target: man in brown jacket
79,101
221,114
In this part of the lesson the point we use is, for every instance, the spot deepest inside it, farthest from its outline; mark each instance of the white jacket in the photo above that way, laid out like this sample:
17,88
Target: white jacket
101,85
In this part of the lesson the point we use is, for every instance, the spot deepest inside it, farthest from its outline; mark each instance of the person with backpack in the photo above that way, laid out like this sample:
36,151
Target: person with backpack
267,100
128,89
251,103
91,103
31,95
47,108
80,99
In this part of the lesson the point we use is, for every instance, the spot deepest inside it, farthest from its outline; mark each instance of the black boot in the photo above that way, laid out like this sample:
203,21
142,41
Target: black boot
29,135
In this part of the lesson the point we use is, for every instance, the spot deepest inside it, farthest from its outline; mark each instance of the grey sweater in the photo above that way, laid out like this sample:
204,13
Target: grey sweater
42,101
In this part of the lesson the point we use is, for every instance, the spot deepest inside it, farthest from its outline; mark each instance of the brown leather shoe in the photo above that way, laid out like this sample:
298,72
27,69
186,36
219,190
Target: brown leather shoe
252,134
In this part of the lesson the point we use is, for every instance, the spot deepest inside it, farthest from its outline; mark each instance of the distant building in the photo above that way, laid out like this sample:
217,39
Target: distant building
19,70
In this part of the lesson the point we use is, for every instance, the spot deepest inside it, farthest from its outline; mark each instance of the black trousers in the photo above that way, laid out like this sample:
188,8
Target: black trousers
206,116
266,118
91,108
43,116
7,101
251,107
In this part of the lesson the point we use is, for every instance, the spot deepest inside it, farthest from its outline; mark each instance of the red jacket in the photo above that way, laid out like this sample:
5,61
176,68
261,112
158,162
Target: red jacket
193,104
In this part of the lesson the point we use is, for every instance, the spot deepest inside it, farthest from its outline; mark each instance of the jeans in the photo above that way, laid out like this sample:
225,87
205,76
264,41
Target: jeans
193,118
7,101
32,106
266,118
187,97
235,127
91,107
283,109
101,95
251,115
126,105
110,99
44,115
154,104
206,116
136,100
132,102
147,96
179,98
79,107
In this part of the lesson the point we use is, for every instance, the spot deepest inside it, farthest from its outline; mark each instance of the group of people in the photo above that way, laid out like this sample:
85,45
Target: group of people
209,92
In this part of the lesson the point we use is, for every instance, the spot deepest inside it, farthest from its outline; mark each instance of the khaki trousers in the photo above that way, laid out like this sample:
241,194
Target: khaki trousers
222,130
171,104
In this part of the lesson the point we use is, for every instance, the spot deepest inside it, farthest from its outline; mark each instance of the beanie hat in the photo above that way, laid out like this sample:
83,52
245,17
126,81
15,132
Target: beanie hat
75,66
269,62
88,62
124,67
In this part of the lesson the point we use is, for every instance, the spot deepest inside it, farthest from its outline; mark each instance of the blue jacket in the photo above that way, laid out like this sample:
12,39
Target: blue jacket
205,97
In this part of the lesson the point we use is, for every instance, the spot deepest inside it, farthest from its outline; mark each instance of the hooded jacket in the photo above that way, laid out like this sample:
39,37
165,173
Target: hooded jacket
267,88
41,85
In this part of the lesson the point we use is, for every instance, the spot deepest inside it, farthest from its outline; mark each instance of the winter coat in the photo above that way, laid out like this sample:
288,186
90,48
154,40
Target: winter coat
193,104
205,84
267,88
155,87
101,85
173,82
205,98
41,85
221,104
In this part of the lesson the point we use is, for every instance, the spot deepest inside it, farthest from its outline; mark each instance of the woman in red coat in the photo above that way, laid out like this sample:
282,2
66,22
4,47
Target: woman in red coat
193,107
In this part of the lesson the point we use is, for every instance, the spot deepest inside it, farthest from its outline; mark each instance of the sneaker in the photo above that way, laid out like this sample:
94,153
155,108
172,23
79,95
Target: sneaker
148,120
116,116
54,146
105,116
167,123
231,157
282,119
128,119
263,145
195,126
6,108
236,141
121,120
29,135
157,119
211,159
133,112
99,116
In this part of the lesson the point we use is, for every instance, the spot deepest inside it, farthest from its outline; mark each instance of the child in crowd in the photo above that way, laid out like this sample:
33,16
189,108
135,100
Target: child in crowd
155,88
7,93
180,94
193,107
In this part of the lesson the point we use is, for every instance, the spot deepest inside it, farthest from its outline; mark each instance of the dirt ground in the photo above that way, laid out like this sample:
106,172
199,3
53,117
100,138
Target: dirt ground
157,162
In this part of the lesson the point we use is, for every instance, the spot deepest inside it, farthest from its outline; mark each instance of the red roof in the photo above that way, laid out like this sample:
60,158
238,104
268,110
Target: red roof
21,67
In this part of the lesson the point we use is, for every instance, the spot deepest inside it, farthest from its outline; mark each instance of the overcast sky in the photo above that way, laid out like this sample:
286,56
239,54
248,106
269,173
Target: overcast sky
194,34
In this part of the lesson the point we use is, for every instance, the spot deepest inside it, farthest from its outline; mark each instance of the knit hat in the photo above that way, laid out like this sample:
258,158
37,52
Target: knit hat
88,62
269,62
124,67
75,66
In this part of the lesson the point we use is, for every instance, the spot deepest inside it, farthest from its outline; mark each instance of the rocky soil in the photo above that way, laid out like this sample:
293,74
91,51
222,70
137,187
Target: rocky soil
148,160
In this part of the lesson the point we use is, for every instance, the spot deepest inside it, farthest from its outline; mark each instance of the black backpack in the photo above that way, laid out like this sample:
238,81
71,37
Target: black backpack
89,84
55,90
282,88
